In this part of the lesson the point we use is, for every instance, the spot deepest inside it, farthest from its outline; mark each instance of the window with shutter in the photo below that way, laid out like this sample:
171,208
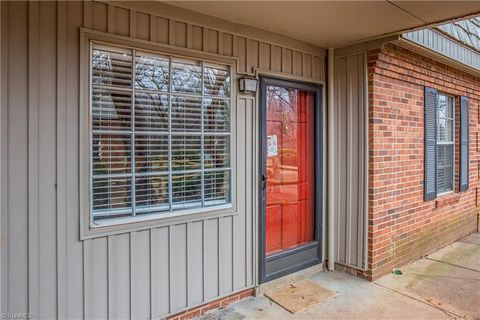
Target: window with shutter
160,133
440,113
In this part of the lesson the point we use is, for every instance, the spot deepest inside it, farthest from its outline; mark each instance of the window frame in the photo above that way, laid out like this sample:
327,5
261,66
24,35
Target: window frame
448,143
89,227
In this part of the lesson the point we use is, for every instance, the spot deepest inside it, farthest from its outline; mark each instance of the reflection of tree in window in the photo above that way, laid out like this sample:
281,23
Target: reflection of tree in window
151,73
186,77
216,119
284,101
111,111
162,135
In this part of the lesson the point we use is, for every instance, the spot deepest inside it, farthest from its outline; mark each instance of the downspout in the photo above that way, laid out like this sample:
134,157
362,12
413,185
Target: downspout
331,163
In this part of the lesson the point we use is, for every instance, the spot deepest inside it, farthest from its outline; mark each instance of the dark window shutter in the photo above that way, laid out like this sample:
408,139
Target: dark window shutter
464,141
430,182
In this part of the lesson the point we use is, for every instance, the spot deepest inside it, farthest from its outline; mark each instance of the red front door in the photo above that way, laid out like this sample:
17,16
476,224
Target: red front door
290,168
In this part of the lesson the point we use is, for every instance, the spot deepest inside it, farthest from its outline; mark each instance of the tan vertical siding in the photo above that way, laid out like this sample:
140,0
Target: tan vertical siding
160,267
68,153
444,45
33,160
45,268
241,53
195,262
42,158
350,172
239,235
119,276
211,263
14,177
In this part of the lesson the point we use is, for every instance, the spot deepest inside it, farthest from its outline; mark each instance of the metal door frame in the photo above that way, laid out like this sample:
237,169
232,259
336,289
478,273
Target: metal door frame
305,255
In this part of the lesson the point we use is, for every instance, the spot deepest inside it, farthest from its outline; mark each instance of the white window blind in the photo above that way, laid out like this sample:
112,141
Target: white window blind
445,143
160,133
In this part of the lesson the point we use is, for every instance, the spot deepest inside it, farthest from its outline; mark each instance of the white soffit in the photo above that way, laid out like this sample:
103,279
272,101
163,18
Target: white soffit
333,23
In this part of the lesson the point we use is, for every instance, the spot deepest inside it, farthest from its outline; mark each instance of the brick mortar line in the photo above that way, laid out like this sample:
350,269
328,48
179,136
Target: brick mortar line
395,53
451,264
452,82
415,81
420,62
216,304
396,61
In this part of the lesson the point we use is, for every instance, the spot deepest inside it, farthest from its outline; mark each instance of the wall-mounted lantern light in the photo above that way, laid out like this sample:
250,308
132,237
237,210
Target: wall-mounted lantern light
248,85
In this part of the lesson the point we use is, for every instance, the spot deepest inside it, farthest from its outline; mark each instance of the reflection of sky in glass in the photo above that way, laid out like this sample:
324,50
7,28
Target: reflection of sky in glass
282,99
151,73
101,62
111,68
285,101
186,77
441,105
445,148
445,107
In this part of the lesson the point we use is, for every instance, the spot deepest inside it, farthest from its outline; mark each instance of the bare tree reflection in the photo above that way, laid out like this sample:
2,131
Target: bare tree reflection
158,83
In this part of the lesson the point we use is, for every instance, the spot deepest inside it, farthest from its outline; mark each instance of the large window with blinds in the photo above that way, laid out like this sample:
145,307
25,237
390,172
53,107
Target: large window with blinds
445,143
160,133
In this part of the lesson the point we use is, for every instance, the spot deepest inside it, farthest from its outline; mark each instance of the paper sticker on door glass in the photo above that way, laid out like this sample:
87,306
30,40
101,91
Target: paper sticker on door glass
272,145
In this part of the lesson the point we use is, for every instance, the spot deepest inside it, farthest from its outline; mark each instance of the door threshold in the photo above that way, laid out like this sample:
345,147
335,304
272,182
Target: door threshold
288,279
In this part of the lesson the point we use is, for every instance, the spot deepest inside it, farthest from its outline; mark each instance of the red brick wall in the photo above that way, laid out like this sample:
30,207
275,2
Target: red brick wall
402,226
216,304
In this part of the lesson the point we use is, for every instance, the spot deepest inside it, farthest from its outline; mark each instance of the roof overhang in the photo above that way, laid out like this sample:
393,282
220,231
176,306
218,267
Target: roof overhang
426,52
334,23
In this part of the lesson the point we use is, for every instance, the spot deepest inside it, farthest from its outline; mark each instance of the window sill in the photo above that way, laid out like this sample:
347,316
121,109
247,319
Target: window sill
124,225
447,199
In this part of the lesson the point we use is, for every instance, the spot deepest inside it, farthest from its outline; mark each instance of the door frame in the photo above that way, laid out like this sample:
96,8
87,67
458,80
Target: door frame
317,89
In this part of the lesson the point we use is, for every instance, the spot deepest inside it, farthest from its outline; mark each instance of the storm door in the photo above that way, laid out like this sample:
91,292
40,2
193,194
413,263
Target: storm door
290,177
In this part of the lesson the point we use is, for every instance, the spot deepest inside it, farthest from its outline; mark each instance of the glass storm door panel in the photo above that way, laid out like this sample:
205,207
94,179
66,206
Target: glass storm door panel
290,168
289,212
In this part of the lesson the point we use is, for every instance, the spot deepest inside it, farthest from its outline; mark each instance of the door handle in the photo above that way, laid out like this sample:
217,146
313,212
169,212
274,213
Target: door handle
264,182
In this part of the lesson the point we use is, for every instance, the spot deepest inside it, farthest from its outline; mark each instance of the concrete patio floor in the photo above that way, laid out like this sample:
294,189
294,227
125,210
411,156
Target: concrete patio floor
443,285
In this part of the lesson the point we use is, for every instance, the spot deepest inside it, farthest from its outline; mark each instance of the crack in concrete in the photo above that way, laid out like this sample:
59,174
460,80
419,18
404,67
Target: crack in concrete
441,276
445,311
448,313
453,265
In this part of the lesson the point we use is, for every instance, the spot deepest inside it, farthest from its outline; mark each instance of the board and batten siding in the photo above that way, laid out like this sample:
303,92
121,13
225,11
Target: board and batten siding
45,268
351,156
438,42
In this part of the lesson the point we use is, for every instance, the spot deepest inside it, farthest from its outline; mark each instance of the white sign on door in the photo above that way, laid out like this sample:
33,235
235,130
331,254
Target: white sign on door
272,145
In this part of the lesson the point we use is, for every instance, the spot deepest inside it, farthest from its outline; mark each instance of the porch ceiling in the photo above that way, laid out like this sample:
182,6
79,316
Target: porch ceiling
334,23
